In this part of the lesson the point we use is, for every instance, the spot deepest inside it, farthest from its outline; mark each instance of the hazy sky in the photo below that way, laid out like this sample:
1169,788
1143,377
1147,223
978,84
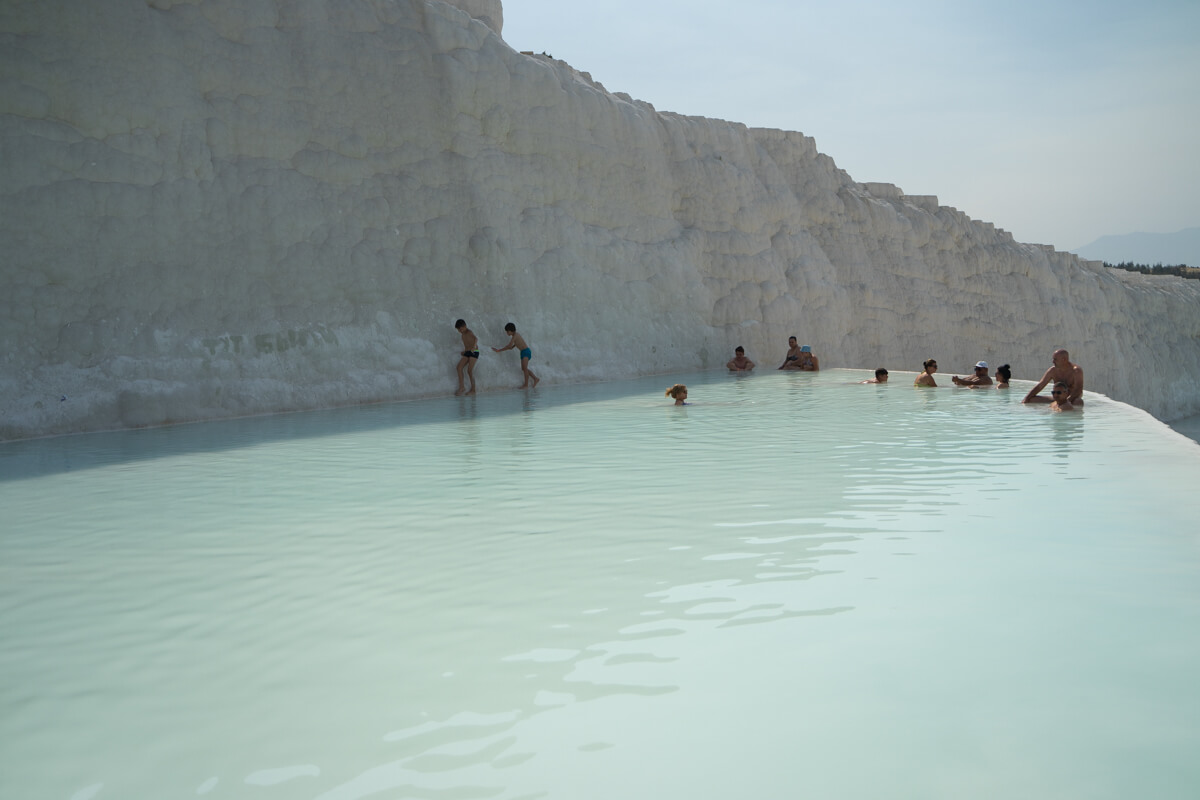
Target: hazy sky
1058,121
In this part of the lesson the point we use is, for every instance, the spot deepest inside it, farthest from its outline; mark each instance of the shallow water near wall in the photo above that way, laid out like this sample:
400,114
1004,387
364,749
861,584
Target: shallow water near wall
797,586
1188,426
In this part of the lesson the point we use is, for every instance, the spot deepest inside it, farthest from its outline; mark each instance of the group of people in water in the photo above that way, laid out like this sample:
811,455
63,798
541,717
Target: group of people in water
1065,377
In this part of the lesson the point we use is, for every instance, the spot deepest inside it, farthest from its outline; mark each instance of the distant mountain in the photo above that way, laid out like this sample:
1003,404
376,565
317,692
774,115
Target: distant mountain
1168,249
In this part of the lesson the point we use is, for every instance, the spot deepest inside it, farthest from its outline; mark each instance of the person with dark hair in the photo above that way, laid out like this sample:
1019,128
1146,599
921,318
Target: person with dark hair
1061,394
926,377
792,359
470,355
518,341
679,392
1003,376
1061,369
980,378
881,376
740,363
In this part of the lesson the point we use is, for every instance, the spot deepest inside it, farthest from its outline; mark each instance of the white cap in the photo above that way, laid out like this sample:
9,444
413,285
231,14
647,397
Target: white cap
981,365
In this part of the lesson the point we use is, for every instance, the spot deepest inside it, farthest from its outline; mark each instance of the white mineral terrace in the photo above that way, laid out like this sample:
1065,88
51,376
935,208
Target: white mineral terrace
219,209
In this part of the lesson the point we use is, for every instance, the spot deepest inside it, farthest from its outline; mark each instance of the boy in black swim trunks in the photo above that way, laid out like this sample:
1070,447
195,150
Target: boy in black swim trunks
470,355
518,341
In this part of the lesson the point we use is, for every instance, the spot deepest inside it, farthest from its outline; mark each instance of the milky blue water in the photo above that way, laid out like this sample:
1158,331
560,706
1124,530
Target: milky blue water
797,586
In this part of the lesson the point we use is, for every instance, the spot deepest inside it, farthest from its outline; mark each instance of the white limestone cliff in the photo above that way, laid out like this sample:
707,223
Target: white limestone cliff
213,209
489,12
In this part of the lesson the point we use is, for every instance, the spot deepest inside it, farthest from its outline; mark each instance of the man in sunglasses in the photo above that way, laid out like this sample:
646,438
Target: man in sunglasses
1060,401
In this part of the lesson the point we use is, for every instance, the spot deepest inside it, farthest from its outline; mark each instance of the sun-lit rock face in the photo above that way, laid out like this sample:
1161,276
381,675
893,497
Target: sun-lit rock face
214,209
489,12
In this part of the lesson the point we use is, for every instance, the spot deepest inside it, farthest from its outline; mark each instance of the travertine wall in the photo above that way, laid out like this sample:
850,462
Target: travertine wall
489,12
214,209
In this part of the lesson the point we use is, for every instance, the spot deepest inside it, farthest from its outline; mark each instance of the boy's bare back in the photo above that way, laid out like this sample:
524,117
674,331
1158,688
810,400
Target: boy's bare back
517,341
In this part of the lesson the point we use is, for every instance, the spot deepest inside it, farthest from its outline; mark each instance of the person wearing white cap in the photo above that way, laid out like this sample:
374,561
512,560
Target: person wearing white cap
980,378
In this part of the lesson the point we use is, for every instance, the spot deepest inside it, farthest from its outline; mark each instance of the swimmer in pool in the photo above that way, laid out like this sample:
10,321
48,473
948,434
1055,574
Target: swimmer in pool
1061,369
1003,376
978,380
740,363
679,392
792,359
470,354
518,341
926,377
808,360
1061,394
881,376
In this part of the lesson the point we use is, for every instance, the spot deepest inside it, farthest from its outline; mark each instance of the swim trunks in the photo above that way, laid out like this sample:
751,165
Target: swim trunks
527,353
470,354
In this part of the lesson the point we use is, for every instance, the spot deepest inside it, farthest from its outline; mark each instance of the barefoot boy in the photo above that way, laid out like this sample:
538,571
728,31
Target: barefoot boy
470,355
516,340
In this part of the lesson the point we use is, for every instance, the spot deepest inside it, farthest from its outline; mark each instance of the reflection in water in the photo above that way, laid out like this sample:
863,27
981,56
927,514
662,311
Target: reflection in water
560,592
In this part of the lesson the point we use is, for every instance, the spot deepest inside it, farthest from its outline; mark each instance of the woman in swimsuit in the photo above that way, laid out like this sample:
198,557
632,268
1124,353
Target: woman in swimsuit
926,377
792,360
808,360
679,392
1003,376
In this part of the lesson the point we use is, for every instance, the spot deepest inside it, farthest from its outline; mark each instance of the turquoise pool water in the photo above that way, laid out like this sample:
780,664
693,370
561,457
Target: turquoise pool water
797,586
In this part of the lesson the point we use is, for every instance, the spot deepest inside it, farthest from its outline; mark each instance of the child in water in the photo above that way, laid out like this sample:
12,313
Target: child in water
881,376
679,392
518,341
470,354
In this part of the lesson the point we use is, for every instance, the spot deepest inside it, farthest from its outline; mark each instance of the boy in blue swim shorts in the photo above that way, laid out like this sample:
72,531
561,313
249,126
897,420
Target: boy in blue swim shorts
517,341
